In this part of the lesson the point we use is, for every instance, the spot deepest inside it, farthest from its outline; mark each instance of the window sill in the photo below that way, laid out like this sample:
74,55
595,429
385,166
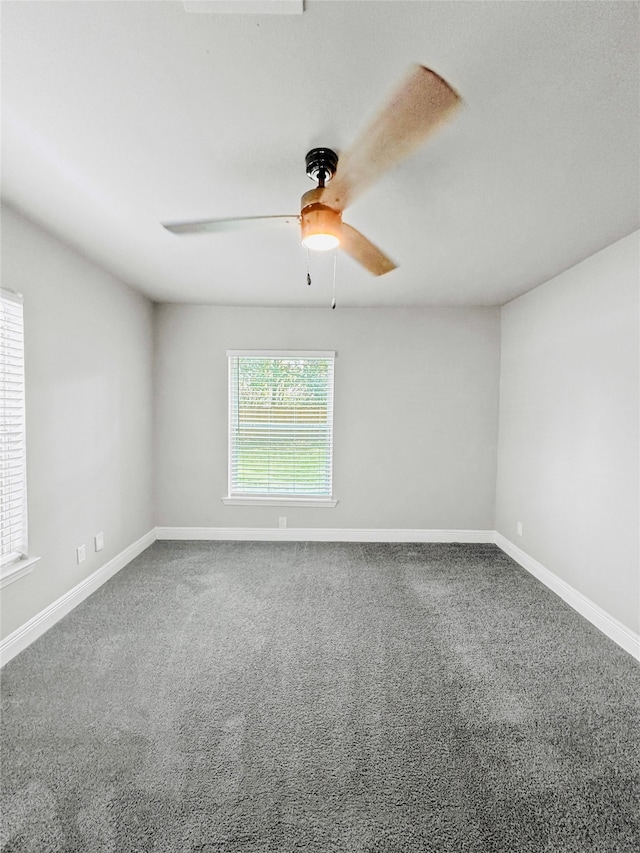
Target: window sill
17,570
259,500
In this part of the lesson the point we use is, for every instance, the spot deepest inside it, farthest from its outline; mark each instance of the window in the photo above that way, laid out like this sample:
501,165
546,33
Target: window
13,477
280,427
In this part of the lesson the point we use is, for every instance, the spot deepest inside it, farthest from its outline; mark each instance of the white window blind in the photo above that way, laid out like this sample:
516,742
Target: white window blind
13,499
280,424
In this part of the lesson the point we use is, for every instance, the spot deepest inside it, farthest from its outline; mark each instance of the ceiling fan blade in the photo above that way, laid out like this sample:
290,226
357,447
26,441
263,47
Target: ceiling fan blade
416,108
362,250
237,224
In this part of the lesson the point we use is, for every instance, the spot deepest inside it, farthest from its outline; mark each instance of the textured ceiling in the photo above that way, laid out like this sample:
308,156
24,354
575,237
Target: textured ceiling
119,115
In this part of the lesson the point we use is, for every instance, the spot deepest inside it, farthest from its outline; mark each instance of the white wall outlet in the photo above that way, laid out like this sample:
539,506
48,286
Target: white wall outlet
81,553
519,528
282,522
98,541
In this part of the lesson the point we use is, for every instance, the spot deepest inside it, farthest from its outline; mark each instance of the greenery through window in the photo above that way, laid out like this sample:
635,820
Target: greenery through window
281,424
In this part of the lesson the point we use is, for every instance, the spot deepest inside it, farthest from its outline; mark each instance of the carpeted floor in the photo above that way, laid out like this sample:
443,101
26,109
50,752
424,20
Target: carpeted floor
321,697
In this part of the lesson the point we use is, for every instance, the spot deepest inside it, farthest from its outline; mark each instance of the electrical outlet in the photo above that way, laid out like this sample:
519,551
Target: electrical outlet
81,553
98,540
282,522
519,528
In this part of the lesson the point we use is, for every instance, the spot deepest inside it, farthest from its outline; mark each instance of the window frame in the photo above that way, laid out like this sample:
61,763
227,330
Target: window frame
17,562
265,499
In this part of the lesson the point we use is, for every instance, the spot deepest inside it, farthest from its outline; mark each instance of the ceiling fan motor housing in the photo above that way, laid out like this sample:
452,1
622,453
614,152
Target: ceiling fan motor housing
318,218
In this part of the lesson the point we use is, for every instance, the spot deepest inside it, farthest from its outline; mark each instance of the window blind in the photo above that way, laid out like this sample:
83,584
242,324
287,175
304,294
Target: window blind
13,503
280,424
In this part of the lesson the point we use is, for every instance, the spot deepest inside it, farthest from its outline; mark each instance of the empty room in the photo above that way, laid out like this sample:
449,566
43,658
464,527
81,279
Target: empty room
320,426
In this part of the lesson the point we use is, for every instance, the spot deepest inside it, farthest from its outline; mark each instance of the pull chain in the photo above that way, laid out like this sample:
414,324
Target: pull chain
308,271
335,260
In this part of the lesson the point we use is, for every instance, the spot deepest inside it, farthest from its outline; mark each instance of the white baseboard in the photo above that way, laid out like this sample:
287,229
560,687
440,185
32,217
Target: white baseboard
41,622
615,630
323,534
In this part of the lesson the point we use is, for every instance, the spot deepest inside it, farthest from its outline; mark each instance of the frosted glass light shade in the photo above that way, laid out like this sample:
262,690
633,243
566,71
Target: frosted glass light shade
321,242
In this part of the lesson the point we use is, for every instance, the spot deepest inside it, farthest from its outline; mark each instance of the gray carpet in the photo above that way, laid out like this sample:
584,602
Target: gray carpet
322,697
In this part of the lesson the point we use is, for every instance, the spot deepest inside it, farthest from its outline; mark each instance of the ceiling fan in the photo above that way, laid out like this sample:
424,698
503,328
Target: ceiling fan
415,109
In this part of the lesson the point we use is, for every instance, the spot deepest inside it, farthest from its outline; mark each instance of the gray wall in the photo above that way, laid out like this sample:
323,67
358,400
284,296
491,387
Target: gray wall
415,425
569,428
89,369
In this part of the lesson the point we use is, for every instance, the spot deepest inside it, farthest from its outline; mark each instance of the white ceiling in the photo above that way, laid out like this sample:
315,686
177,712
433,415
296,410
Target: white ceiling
119,115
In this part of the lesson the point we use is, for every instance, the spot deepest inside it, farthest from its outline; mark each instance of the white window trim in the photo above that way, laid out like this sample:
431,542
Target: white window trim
23,563
258,500
14,571
281,353
275,500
